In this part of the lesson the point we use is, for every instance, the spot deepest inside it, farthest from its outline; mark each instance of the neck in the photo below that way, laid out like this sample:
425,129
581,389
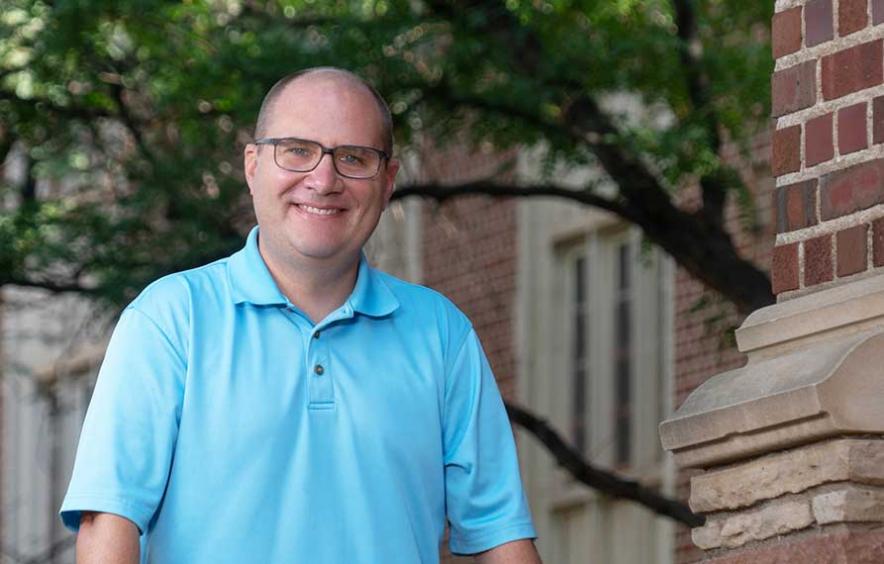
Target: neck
317,288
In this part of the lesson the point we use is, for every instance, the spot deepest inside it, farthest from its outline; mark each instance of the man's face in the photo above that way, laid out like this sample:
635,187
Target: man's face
318,217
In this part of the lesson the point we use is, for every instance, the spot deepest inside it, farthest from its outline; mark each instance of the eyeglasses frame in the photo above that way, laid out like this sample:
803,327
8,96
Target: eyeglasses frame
275,141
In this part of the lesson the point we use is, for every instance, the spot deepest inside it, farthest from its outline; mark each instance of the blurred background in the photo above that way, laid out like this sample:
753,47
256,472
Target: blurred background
588,179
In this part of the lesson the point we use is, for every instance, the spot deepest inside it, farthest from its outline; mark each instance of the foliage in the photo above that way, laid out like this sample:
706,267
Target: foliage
130,115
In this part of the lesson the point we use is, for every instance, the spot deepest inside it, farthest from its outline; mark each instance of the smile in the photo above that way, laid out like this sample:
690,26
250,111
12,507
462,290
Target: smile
318,211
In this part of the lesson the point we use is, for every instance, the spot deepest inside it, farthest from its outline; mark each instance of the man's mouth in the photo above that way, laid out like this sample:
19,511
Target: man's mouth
319,211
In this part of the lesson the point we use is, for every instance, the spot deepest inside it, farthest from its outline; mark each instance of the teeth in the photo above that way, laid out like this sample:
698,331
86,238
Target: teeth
318,211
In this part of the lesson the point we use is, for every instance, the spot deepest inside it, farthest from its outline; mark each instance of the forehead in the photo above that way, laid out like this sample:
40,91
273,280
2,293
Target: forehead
329,108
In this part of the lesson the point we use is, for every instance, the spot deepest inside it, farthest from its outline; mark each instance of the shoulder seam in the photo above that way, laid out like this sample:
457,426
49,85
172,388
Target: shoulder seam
162,332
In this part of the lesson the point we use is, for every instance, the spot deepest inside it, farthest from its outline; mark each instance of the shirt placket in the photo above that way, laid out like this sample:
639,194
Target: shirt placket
321,372
321,391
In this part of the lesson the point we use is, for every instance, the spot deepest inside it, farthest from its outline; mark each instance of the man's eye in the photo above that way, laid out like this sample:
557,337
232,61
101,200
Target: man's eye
351,159
298,151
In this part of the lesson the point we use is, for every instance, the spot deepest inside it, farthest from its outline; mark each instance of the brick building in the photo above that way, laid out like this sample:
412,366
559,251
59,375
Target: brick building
787,449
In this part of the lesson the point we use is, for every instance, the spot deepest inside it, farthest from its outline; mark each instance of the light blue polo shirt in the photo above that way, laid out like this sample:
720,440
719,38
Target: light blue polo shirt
229,428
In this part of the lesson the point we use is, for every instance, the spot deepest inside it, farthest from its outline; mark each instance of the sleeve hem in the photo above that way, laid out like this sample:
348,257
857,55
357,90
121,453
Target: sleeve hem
480,541
73,507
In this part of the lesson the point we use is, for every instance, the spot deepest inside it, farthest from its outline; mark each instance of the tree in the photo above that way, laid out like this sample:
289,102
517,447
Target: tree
129,117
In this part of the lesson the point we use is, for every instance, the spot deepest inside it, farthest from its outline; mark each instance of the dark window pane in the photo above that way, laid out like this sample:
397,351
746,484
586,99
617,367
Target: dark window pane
624,264
622,359
579,280
579,330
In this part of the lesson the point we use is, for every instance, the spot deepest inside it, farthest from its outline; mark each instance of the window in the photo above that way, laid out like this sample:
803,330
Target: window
611,384
614,306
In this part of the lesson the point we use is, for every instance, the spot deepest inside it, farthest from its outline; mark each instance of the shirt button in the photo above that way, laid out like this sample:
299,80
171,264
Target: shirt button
318,369
316,335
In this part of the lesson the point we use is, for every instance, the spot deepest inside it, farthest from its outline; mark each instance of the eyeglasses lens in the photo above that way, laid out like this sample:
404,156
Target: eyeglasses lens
298,155
356,162
349,160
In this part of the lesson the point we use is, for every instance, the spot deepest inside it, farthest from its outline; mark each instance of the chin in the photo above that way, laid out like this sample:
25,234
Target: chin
318,252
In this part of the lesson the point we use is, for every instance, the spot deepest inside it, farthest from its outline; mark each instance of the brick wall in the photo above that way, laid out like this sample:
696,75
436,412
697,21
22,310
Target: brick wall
828,105
469,254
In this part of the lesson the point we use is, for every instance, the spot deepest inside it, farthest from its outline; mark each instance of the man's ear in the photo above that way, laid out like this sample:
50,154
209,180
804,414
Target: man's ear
390,180
250,165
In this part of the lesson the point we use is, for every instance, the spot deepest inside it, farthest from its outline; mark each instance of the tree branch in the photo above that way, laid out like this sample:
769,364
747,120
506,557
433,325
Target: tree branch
28,189
53,286
713,187
701,247
596,478
444,94
127,120
698,242
440,193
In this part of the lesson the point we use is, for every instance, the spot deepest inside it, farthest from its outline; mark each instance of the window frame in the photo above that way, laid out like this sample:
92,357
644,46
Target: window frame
649,400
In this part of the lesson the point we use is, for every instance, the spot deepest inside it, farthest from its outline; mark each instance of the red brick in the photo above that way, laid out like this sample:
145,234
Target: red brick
786,150
852,134
475,263
878,242
794,88
786,34
852,189
796,206
784,269
818,22
818,144
851,250
852,69
877,11
852,16
878,119
818,260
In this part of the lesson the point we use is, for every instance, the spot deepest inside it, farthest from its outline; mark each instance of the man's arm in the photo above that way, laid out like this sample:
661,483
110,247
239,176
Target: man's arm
516,552
105,538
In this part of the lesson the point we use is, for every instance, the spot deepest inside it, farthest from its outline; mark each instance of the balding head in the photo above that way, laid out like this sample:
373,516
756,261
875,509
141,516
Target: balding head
268,106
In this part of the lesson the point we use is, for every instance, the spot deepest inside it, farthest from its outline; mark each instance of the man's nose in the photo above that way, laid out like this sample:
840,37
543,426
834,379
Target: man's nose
324,178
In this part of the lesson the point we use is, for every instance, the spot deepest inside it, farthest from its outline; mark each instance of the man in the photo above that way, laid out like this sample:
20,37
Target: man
289,403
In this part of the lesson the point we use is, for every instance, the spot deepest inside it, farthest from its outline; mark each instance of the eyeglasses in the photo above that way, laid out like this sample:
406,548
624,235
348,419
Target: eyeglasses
303,155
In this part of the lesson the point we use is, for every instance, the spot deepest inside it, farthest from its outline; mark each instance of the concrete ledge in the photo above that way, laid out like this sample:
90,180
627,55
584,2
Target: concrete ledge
831,388
858,305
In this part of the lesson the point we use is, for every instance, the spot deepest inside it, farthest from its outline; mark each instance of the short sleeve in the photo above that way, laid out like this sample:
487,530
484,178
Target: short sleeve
129,433
485,502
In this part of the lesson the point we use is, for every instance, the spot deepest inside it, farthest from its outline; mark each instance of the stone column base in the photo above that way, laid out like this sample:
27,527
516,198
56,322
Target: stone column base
833,482
793,442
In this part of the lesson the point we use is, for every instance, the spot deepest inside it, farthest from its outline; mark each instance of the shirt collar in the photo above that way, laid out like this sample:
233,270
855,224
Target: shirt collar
371,295
251,282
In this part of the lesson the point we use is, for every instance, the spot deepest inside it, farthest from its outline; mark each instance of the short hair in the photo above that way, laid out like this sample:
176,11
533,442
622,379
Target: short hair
277,89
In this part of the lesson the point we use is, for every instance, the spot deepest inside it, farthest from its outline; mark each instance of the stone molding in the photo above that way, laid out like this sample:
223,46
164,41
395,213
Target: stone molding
844,309
814,372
